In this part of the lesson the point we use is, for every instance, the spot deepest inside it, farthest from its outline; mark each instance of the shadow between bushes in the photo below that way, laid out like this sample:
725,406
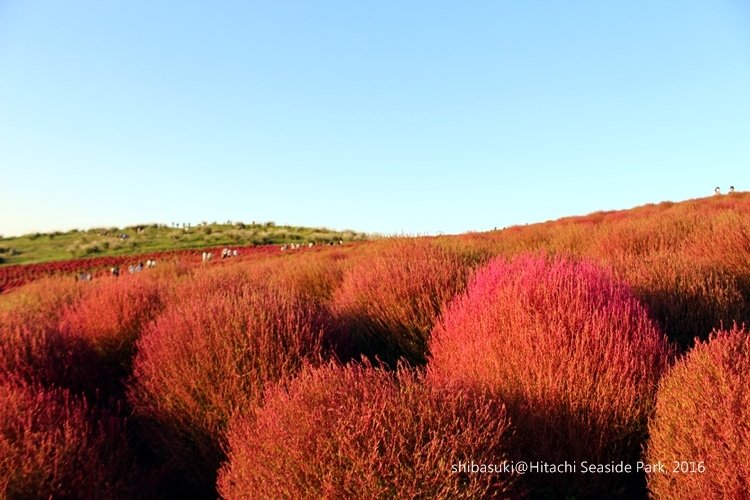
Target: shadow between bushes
685,316
356,337
554,434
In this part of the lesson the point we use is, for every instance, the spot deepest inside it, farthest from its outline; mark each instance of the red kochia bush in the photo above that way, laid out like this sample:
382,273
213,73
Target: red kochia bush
52,446
213,351
31,344
359,432
111,313
313,275
391,296
570,351
703,415
43,297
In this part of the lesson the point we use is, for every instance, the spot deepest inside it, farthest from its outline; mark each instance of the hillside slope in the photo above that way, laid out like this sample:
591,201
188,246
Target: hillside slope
688,261
150,238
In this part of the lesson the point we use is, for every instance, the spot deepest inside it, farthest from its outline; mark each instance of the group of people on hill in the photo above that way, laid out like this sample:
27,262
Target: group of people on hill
115,270
718,190
133,268
293,246
225,254
205,257
297,246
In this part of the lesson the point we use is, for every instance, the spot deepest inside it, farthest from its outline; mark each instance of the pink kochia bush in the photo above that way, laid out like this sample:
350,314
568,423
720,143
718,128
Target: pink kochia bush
391,295
703,415
360,432
571,353
213,351
53,446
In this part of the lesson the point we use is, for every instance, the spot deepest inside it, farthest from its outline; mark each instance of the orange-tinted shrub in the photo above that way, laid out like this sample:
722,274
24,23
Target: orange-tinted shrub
314,276
688,300
211,352
703,415
392,294
359,432
111,314
43,298
570,352
53,446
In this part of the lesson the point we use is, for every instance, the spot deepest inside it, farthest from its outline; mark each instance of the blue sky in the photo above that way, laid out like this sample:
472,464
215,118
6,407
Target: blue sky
385,116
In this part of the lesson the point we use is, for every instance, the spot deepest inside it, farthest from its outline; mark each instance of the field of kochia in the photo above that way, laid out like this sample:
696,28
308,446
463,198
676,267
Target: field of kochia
373,370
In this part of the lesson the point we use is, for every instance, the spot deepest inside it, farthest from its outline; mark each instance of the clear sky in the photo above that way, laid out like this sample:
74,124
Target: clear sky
378,115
